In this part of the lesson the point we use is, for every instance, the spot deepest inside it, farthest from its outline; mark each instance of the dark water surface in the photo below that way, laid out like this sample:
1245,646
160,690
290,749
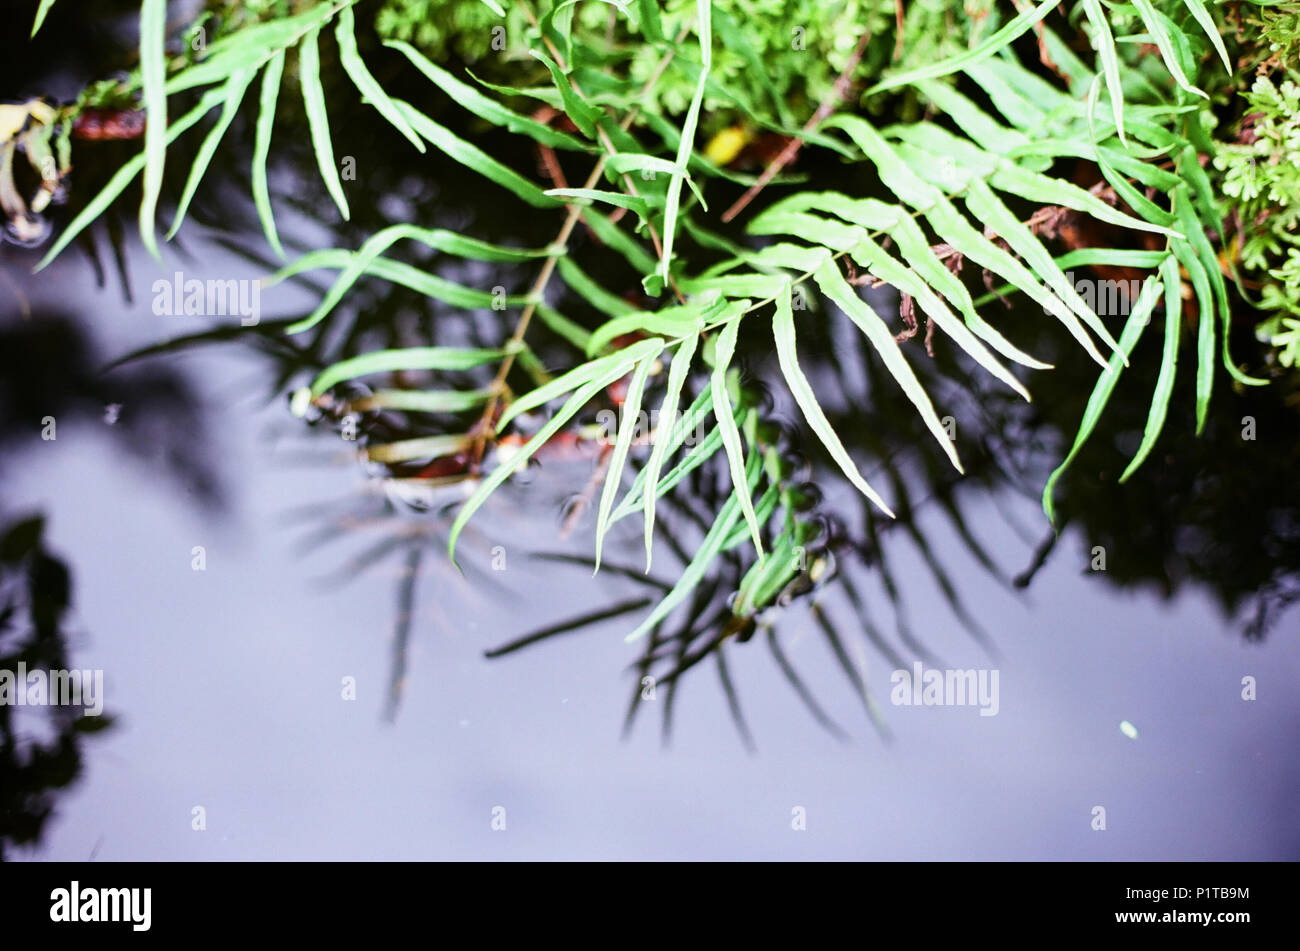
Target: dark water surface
226,683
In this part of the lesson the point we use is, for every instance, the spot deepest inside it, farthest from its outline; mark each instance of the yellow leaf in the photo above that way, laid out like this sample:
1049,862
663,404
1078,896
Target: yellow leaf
726,145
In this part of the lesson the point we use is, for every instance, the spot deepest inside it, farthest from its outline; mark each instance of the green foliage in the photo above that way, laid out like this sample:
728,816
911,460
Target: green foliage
1284,333
460,30
224,68
980,177
788,51
1277,24
1261,182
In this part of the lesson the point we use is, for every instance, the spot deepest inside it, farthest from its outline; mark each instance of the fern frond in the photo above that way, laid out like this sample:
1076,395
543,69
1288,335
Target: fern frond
229,64
953,188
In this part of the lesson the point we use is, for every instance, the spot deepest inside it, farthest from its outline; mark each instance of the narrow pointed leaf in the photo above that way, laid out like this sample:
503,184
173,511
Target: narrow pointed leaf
506,469
1105,43
409,358
981,200
1158,27
585,196
1168,366
234,95
726,346
485,107
1205,352
694,572
270,93
686,428
313,98
363,262
424,401
41,12
153,77
833,284
366,84
606,369
955,229
1206,21
475,158
677,373
630,412
1138,318
787,354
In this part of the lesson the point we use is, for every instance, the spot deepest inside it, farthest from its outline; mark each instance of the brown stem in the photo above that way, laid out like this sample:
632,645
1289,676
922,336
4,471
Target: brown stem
483,427
898,17
792,148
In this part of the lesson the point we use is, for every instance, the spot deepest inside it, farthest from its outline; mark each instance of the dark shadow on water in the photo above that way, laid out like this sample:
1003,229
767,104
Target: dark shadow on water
41,745
51,384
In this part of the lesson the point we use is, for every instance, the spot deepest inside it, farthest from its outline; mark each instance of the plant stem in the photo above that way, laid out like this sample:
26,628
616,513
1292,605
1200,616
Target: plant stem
483,426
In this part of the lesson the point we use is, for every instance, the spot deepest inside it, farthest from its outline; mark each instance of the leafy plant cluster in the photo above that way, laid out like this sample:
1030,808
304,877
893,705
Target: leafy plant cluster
1255,177
775,58
1262,187
978,185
